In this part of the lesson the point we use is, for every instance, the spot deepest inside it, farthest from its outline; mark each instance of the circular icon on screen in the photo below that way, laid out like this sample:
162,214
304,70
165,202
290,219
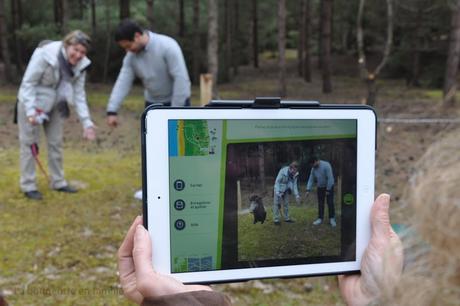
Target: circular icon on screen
179,185
348,199
179,224
179,204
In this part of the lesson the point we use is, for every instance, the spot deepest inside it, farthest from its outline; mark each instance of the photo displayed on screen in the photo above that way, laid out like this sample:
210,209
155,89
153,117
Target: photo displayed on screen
238,192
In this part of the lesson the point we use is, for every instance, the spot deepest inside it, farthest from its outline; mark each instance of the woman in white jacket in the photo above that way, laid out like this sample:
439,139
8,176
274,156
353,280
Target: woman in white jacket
54,78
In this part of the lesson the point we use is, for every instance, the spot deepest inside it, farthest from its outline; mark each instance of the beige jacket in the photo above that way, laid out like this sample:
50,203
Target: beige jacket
39,84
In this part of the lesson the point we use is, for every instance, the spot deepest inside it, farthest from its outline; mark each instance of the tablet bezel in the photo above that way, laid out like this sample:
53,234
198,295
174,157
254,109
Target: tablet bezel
155,174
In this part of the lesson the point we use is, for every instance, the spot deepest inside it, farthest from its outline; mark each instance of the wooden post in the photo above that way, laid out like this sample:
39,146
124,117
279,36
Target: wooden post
206,82
338,195
238,194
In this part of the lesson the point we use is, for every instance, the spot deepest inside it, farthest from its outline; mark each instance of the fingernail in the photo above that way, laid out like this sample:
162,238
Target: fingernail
140,229
138,233
138,219
386,200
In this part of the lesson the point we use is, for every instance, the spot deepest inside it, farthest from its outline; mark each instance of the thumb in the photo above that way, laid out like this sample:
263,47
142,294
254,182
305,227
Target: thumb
380,218
142,257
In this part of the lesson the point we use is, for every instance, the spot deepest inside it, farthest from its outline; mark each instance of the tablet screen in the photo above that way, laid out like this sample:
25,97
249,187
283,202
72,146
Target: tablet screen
236,185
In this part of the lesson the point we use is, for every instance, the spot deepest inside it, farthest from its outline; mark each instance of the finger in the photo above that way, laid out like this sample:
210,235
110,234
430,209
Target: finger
126,248
125,261
380,218
142,255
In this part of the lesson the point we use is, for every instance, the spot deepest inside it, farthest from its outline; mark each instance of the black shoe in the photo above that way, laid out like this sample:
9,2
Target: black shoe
33,195
67,189
277,223
289,221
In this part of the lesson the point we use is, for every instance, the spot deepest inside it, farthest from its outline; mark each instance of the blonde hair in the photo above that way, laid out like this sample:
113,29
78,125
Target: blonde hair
294,164
432,243
77,37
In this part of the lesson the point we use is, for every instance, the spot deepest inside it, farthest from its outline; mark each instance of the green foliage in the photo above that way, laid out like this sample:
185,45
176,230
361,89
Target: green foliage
432,68
32,35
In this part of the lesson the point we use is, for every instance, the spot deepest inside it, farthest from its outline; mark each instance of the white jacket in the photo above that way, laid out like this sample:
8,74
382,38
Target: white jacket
40,81
284,182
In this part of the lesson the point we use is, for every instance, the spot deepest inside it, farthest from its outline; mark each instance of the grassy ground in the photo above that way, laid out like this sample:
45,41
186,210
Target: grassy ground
67,242
62,251
290,240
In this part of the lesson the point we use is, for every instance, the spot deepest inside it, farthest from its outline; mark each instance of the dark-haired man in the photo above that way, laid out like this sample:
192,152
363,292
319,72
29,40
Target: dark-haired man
155,59
321,174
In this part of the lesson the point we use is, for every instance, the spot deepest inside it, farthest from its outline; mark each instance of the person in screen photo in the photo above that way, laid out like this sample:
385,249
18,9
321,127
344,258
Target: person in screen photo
321,174
285,184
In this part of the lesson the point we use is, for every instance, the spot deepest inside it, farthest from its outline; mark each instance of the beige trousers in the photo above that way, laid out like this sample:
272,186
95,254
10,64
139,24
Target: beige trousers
30,134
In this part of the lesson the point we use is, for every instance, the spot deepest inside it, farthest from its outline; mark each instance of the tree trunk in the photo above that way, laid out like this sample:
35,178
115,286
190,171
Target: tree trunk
65,17
57,5
149,13
371,91
196,63
124,9
20,15
181,20
93,17
301,38
61,15
4,44
282,47
450,81
307,53
228,40
213,44
16,21
255,41
371,77
261,158
326,72
415,71
236,31
81,9
108,41
320,31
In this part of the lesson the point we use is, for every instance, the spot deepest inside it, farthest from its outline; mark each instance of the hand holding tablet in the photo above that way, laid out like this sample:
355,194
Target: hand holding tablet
141,284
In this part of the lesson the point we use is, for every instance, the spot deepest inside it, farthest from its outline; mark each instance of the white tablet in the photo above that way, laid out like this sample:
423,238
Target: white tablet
224,190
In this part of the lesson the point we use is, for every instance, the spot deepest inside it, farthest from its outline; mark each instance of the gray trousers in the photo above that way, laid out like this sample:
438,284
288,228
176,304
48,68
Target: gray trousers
30,134
277,206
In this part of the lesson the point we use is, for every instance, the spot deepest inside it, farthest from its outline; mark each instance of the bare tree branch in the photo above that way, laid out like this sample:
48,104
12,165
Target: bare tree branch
360,37
389,42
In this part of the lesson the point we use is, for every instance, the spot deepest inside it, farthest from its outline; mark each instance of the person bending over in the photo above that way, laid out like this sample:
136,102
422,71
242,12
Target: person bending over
54,78
285,184
157,61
